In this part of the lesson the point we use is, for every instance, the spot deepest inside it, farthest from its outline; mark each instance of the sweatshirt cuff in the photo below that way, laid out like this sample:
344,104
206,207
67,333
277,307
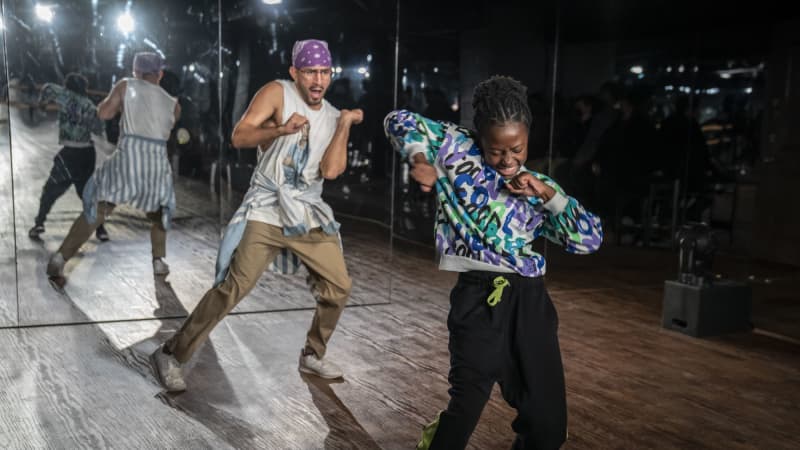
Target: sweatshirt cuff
557,204
413,149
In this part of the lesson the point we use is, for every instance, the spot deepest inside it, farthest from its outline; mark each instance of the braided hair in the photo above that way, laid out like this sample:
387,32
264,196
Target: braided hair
500,100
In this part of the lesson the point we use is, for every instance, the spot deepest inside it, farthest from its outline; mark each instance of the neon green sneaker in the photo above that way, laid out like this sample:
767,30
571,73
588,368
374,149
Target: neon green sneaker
427,434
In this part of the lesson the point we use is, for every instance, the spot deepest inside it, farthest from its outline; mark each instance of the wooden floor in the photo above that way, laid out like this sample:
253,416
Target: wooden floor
630,383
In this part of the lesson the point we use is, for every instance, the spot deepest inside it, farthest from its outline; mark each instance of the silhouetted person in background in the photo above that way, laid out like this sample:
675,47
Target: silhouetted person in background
633,160
603,119
685,155
583,112
583,170
572,134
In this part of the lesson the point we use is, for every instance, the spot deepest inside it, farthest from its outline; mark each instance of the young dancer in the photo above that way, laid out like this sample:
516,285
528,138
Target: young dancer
502,323
283,210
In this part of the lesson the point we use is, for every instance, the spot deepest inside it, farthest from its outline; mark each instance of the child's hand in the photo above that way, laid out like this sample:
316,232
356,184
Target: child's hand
423,172
528,185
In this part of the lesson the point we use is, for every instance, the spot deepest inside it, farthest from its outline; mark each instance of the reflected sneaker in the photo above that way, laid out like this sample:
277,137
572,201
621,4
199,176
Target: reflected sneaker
160,267
34,232
320,367
55,267
168,370
101,233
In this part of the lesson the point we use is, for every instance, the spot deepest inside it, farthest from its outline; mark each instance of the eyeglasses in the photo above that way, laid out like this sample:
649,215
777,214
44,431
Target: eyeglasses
310,73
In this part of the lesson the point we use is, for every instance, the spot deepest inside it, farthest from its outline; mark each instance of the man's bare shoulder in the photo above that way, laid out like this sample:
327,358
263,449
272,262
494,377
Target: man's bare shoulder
268,101
120,88
271,91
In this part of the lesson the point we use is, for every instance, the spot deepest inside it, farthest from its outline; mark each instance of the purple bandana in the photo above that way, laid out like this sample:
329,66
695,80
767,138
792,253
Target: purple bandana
311,52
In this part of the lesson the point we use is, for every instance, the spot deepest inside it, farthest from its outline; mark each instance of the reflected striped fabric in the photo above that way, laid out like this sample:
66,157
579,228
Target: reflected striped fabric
137,174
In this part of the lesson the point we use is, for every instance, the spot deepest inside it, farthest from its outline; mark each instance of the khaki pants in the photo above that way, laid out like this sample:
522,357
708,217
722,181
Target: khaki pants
82,230
260,244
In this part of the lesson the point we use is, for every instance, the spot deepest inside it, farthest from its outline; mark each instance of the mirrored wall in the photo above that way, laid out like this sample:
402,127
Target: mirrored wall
657,115
662,121
217,55
49,44
652,115
8,269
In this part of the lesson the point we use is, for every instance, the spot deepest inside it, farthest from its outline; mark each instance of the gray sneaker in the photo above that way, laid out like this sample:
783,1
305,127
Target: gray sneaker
322,368
160,267
55,267
168,370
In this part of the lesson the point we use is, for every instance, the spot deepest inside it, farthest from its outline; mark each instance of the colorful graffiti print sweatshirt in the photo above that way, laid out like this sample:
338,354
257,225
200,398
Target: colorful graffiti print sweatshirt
480,224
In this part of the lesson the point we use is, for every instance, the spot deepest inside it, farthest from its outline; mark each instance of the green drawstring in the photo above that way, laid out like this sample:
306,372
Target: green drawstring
500,283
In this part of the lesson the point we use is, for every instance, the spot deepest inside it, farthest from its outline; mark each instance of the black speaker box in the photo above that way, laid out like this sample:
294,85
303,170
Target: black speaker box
716,308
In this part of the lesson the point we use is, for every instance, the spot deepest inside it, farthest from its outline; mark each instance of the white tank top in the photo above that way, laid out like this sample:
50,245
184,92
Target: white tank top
322,126
148,110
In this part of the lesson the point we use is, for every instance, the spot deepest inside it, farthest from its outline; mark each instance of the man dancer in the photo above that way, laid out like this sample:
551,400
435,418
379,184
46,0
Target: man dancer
305,139
74,163
138,172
